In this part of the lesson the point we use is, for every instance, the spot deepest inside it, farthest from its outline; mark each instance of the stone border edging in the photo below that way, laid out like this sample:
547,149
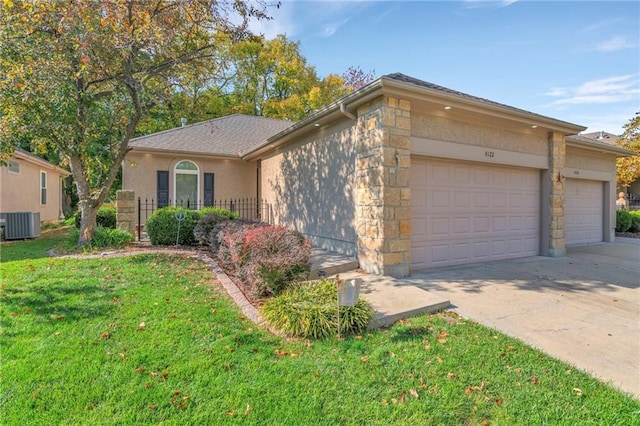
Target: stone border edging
231,288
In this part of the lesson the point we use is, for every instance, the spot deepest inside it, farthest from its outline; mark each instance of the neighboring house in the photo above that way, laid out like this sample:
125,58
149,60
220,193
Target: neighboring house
30,184
403,174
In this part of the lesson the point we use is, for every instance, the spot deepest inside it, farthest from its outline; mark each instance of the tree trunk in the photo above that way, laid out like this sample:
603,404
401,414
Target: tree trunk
87,222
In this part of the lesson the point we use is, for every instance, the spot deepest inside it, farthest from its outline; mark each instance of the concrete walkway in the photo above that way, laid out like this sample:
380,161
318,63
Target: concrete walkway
583,308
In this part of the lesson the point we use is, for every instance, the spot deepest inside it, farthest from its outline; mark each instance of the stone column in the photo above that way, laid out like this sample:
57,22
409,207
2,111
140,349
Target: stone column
556,198
383,223
126,211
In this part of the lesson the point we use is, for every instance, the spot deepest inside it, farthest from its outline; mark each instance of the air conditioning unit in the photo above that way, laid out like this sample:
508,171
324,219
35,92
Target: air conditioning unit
20,225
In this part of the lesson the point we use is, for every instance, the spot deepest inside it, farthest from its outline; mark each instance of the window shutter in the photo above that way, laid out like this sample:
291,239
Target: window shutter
208,189
163,188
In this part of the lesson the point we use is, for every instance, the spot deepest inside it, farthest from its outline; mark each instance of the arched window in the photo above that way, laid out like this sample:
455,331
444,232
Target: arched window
186,184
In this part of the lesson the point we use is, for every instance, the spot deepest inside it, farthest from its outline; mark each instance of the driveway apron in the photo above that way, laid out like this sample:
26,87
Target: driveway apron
583,308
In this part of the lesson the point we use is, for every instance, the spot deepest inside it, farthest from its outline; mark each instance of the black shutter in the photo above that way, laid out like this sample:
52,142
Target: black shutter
208,189
163,188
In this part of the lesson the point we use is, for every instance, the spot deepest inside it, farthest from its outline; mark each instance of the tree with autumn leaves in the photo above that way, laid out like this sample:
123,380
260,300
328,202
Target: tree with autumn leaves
628,168
78,76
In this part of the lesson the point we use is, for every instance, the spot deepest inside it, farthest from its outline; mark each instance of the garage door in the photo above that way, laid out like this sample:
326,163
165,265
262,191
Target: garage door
584,211
468,212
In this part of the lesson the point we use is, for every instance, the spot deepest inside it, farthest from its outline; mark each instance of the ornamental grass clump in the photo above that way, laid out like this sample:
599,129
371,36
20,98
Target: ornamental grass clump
310,310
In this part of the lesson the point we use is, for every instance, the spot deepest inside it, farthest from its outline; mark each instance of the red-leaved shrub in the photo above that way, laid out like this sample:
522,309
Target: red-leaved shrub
265,258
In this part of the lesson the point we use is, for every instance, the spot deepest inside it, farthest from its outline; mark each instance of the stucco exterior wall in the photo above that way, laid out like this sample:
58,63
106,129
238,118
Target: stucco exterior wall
311,187
440,128
590,160
20,192
232,178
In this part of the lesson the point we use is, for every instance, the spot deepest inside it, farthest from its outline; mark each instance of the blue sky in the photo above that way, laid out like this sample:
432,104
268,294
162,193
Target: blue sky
574,61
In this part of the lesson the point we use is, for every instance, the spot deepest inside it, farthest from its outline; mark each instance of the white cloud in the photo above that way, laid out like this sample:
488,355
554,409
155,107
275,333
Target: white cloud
601,24
331,28
615,44
611,123
602,91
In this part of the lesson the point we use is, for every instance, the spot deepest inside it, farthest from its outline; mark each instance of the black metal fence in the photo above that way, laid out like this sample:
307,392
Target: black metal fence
247,209
634,201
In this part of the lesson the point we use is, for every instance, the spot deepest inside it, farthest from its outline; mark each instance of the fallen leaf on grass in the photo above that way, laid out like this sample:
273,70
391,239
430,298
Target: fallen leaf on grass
364,358
534,380
578,391
414,393
451,375
499,402
248,410
105,336
141,326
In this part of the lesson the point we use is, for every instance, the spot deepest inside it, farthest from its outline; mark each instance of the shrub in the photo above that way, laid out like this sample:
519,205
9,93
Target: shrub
209,225
107,237
162,226
310,310
635,221
265,258
624,220
276,257
220,212
229,243
105,218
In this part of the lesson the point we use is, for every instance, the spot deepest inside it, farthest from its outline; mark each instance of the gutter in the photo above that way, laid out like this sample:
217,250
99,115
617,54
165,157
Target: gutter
585,143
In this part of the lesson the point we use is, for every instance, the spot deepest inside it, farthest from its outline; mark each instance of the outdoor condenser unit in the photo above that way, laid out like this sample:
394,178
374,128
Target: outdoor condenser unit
20,225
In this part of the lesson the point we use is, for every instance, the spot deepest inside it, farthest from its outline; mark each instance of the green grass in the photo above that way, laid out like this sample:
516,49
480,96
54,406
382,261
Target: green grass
154,340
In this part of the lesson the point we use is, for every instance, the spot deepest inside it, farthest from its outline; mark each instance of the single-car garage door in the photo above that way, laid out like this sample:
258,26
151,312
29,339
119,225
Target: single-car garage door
470,212
584,211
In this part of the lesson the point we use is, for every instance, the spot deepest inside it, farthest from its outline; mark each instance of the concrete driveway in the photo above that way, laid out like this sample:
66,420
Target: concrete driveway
583,308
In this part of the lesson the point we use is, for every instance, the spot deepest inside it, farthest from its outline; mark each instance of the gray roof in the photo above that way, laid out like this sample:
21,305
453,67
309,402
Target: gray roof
226,136
605,137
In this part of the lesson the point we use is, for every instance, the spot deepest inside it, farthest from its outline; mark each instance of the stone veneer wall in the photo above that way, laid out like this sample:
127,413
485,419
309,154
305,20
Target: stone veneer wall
556,199
126,211
383,222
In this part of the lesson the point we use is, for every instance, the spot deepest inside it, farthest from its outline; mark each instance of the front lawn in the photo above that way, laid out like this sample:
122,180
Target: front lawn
154,339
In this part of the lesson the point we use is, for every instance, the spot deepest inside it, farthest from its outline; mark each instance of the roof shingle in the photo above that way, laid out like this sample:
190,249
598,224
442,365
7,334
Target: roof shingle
228,136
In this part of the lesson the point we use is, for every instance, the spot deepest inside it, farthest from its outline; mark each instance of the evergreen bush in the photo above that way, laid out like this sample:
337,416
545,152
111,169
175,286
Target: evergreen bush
105,218
624,220
162,226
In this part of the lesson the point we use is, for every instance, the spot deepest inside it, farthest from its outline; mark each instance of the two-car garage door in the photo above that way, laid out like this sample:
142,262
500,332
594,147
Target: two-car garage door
465,212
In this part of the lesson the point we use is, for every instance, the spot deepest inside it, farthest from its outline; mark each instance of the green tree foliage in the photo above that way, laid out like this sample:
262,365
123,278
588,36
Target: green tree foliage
78,77
628,168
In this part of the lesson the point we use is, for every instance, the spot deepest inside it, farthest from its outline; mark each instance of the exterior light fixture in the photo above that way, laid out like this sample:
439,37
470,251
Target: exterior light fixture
534,127
447,107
